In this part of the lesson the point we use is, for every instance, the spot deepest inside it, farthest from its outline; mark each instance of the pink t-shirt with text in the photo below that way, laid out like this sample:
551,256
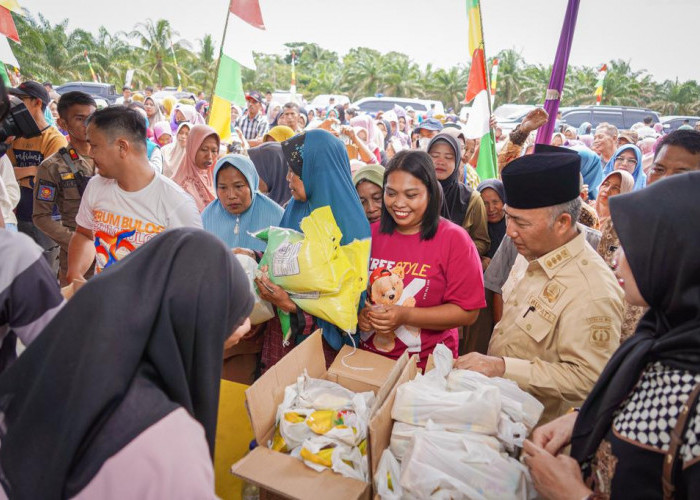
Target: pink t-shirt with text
444,269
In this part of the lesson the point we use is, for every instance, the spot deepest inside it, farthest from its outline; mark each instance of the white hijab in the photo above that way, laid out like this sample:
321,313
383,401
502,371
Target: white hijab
173,153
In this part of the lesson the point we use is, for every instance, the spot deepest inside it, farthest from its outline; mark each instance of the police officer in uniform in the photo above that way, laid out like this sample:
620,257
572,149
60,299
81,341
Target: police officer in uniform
62,177
562,311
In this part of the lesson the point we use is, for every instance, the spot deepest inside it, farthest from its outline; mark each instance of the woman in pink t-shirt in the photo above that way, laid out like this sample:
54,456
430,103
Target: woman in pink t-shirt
425,272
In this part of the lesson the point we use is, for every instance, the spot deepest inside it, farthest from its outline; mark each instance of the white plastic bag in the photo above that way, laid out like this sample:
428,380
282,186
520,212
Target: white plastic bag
520,406
467,411
511,433
262,309
314,408
401,436
321,453
295,432
387,478
447,465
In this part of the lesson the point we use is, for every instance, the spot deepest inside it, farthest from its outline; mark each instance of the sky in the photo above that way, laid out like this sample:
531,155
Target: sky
659,36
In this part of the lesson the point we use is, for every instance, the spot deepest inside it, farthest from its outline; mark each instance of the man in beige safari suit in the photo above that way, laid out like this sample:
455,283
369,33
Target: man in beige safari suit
563,308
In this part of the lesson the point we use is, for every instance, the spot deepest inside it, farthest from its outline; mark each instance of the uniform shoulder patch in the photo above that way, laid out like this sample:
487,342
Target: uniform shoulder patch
601,331
46,191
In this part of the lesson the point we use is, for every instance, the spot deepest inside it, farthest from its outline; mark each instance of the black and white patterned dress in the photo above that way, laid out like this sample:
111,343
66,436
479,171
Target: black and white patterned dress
642,434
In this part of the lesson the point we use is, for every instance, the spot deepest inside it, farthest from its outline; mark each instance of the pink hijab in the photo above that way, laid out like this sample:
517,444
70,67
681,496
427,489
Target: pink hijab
199,183
374,138
626,186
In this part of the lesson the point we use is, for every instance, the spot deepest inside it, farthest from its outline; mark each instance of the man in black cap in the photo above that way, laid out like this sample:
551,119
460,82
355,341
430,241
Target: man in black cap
26,155
253,123
562,311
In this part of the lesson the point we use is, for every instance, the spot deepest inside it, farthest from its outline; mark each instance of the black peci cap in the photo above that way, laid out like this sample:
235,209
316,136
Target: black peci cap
542,180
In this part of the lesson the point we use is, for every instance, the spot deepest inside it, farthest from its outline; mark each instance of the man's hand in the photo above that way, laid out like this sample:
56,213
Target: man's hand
491,366
534,120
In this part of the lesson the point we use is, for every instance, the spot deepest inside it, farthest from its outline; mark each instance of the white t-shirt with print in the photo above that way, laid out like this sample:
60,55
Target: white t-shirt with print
121,221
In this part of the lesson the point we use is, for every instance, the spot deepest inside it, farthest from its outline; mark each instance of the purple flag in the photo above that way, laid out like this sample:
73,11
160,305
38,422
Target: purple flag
556,81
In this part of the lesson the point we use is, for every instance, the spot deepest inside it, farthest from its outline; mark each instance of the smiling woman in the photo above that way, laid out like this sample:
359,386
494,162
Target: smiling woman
431,263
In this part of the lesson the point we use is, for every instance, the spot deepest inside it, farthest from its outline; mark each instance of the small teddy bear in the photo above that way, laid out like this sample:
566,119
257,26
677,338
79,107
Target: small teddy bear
385,288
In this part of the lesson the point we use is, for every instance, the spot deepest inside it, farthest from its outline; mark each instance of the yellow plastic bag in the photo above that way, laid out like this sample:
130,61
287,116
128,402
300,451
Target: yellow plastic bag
322,277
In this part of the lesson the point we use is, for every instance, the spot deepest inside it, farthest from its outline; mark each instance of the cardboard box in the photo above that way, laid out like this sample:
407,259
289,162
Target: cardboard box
283,475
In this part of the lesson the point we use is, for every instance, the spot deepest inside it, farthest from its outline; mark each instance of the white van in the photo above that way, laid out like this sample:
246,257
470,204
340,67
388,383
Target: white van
375,104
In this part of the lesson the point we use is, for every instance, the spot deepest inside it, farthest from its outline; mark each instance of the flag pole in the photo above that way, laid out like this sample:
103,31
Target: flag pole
488,87
221,52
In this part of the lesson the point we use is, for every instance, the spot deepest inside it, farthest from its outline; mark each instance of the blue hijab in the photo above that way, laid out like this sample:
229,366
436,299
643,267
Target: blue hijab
640,179
591,169
327,182
262,213
325,172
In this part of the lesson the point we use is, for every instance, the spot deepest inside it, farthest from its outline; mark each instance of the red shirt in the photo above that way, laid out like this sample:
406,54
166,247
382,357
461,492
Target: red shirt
445,269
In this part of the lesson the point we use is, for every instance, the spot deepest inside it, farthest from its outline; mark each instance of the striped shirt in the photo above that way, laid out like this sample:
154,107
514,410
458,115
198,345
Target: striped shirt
29,293
252,129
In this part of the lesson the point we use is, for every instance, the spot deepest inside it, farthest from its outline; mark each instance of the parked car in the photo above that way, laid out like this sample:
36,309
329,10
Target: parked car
509,116
104,91
622,117
321,101
374,104
177,94
672,123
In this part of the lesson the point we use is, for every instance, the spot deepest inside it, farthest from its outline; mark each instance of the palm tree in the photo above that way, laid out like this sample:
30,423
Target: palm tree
112,56
203,66
622,86
155,41
579,87
510,67
678,98
449,86
402,76
365,72
534,80
44,53
54,53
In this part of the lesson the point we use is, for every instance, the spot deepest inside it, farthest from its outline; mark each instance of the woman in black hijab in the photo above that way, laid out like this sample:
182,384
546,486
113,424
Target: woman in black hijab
461,204
138,343
645,387
271,165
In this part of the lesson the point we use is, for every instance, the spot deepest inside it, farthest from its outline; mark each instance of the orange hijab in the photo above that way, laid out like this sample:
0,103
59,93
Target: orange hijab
199,183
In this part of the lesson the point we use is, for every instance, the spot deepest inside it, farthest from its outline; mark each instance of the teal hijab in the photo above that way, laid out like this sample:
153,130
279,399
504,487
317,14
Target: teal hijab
325,172
234,230
323,163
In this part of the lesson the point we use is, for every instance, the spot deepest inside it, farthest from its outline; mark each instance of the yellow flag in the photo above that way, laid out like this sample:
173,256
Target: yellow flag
12,5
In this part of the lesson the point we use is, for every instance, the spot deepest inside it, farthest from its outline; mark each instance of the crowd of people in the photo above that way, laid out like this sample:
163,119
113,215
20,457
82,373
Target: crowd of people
573,273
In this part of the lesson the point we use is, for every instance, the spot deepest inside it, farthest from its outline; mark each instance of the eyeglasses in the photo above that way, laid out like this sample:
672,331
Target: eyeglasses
628,161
